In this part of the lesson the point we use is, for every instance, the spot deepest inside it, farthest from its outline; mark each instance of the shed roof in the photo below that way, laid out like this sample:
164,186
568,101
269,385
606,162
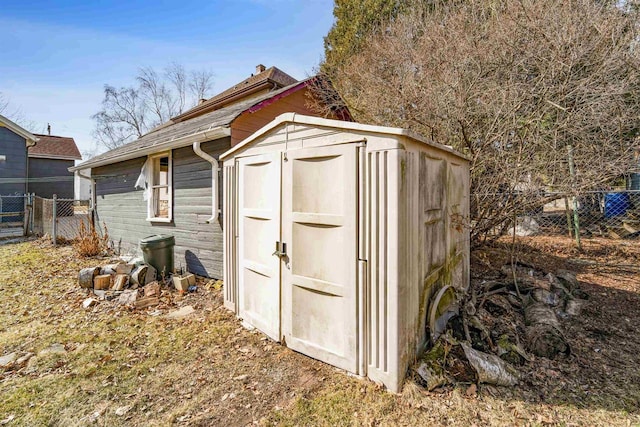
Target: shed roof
176,134
336,124
55,147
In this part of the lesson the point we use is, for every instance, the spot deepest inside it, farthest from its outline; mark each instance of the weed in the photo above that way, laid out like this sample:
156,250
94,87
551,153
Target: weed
89,243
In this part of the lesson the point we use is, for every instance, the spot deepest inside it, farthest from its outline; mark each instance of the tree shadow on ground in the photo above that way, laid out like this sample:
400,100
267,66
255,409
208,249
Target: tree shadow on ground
602,370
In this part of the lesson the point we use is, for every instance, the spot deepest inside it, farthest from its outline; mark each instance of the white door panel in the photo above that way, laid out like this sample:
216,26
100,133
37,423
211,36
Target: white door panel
319,218
259,229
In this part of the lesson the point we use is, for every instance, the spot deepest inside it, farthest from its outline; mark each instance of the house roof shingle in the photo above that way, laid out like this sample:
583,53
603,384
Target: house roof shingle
55,147
147,143
271,77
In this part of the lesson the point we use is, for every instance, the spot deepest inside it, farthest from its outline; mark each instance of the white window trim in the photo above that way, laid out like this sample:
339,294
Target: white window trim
150,216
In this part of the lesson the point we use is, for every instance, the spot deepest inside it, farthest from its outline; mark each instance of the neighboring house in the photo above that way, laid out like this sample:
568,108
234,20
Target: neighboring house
49,162
81,186
163,183
14,141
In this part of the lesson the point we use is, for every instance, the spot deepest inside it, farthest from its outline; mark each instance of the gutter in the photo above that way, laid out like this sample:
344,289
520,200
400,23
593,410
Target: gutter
214,180
202,136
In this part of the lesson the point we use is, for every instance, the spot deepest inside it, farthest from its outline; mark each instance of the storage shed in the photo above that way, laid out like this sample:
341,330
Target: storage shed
339,236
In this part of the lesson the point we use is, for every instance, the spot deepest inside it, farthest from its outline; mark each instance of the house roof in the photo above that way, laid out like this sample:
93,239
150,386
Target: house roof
335,124
55,147
271,78
211,125
17,129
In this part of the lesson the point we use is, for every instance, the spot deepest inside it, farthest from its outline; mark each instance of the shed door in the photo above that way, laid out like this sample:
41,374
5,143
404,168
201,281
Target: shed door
259,229
319,201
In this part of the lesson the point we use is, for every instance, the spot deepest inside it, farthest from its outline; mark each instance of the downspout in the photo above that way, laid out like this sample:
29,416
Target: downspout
214,180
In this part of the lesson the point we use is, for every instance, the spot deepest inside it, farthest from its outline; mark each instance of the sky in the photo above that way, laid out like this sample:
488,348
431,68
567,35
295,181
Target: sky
57,55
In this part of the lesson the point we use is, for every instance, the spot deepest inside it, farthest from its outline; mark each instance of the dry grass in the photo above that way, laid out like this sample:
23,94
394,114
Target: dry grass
191,371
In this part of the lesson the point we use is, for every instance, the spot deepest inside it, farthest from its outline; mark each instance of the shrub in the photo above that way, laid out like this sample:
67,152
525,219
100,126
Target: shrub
89,242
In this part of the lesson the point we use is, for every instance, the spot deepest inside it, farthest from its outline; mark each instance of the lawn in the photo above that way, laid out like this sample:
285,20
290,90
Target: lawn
109,365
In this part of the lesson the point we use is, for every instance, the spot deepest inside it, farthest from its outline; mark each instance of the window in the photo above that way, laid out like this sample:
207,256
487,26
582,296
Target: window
160,200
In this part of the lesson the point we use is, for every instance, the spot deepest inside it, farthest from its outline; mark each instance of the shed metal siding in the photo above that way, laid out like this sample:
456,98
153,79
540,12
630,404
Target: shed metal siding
121,207
14,147
60,182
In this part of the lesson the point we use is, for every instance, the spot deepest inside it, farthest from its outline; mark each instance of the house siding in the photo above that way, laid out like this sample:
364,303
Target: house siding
247,123
122,209
14,147
61,180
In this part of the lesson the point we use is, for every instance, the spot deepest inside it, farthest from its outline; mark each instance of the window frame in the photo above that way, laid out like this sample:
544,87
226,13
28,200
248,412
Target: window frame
150,212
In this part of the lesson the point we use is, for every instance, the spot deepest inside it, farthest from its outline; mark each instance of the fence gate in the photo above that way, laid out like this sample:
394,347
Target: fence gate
12,211
60,218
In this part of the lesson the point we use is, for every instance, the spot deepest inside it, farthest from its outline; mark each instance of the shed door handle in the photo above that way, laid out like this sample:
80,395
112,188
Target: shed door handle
281,249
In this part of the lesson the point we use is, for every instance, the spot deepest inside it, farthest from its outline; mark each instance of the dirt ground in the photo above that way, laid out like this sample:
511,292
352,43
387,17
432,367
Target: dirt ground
109,365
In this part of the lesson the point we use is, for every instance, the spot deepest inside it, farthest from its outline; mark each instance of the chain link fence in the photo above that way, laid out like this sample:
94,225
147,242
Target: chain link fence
59,218
12,215
610,214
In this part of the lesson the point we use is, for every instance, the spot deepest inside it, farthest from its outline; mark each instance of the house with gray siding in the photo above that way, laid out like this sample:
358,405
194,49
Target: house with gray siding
168,180
49,162
14,141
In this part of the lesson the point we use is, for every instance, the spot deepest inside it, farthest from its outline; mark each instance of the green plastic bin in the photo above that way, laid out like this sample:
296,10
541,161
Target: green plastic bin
157,251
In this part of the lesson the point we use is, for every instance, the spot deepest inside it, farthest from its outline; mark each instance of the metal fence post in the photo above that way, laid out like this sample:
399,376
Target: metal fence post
54,225
32,201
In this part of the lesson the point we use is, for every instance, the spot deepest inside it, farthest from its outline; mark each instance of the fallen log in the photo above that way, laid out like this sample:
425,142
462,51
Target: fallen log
120,282
139,275
102,282
543,332
86,276
147,302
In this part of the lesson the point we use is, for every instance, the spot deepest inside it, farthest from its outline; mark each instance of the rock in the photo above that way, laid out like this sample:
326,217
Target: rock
89,302
7,420
182,312
56,348
241,377
121,411
128,297
32,365
8,359
22,360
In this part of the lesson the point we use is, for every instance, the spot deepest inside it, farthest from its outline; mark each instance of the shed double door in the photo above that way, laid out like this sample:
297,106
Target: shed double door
306,297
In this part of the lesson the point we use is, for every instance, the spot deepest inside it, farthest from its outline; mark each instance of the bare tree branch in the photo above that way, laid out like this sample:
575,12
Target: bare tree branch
511,84
130,112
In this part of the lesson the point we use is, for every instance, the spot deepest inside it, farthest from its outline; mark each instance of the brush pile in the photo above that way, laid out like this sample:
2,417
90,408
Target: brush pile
501,325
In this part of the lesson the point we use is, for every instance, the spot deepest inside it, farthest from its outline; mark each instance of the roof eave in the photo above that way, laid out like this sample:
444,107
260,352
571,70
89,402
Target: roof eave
183,141
17,129
53,156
